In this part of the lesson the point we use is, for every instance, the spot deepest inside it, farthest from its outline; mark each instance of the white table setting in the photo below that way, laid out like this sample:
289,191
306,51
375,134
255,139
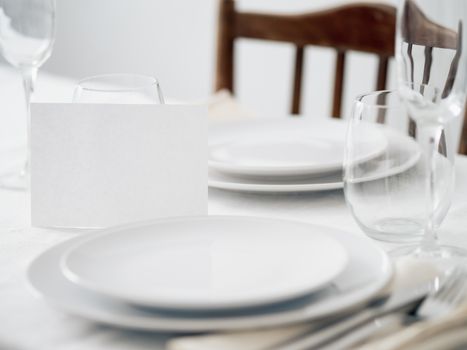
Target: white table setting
131,220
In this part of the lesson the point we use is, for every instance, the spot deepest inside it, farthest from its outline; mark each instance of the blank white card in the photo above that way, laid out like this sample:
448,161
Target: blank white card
99,165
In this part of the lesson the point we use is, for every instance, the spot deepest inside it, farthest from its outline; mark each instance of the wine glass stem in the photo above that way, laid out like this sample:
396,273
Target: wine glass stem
431,136
29,78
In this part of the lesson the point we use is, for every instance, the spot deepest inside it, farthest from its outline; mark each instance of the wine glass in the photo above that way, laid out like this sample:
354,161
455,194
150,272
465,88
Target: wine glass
386,192
27,32
119,88
431,52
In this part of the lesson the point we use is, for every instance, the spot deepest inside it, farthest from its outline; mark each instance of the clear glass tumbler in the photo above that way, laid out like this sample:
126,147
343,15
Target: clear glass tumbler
119,88
387,193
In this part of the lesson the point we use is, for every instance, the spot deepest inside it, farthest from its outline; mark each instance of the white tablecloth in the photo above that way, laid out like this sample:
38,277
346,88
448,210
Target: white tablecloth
28,323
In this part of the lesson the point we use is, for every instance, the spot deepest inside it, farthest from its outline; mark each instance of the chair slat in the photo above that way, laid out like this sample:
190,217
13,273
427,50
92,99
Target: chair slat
338,84
427,65
297,85
382,73
411,70
225,46
442,146
381,100
463,140
412,128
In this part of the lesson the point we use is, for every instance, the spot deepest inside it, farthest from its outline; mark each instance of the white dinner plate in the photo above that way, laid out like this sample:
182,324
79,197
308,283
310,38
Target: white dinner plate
206,263
401,154
369,270
284,147
243,184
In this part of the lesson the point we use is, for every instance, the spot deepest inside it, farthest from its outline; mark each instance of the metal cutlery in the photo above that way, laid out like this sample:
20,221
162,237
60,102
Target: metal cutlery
446,309
399,301
440,302
449,296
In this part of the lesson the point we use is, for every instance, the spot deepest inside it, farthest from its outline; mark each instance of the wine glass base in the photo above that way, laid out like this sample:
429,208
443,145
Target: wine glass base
444,257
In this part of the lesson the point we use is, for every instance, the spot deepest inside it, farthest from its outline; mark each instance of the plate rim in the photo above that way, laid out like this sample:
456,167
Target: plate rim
274,188
205,305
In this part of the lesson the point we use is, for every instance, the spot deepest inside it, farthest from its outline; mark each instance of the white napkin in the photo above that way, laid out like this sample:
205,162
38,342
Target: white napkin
409,273
222,106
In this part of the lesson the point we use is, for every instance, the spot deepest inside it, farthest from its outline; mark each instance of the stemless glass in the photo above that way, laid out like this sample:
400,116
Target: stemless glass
386,193
119,88
27,32
431,50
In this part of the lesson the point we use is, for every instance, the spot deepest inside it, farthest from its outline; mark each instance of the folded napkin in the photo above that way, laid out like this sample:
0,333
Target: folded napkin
222,106
408,273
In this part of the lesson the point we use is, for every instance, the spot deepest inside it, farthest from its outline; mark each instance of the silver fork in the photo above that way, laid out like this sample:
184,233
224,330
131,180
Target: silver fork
449,296
443,300
451,292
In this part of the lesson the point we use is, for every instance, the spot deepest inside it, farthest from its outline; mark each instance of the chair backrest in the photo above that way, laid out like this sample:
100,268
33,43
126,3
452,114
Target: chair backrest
417,29
356,27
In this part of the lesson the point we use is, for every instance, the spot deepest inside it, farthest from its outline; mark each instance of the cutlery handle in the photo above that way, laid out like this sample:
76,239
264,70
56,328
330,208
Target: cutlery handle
329,334
321,337
407,338
381,327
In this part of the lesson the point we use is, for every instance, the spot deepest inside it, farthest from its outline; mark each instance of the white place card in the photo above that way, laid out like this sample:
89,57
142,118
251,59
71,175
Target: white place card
99,165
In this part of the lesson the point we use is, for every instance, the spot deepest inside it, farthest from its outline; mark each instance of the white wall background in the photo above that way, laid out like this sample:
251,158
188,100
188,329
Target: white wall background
175,40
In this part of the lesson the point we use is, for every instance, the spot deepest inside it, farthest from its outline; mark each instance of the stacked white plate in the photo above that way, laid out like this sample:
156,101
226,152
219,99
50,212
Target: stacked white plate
299,154
210,273
293,154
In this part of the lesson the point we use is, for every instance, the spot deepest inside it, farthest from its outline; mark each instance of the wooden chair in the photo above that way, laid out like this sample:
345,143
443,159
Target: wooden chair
357,27
417,29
